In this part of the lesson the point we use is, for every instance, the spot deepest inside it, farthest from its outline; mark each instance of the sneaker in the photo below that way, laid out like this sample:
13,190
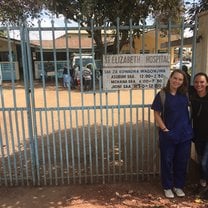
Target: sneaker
179,192
203,182
168,193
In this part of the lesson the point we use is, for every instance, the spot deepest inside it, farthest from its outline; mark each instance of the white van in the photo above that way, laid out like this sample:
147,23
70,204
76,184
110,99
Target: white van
86,59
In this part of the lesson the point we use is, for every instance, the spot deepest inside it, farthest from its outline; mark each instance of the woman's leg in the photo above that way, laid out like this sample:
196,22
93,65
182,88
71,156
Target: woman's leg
181,158
200,149
204,161
167,149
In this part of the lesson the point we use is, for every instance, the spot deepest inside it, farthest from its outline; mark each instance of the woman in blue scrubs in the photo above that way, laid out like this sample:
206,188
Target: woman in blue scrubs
175,133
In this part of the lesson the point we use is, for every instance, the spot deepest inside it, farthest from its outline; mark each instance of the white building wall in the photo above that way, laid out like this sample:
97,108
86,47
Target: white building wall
202,44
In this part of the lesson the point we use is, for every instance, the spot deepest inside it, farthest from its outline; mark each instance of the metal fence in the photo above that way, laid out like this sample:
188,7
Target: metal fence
55,135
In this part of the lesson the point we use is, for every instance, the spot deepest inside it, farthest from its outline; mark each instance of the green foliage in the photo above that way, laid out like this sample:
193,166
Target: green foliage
166,10
15,11
195,8
102,12
105,12
203,5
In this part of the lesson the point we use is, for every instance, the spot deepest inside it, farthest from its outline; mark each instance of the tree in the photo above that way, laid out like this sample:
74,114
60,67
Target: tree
105,12
102,12
15,11
195,9
166,10
203,5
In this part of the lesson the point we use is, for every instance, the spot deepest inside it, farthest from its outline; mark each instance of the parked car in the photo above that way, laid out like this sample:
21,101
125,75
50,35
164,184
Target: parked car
178,64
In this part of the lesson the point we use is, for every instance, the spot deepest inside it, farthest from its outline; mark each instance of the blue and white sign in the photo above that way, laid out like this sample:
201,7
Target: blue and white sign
135,71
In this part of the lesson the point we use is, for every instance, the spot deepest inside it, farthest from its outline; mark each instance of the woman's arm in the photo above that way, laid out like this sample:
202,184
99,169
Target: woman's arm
159,121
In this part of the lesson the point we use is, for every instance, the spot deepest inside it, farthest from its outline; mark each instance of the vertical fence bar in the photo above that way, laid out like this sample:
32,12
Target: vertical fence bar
125,147
82,104
79,173
32,101
101,139
107,137
25,149
137,143
182,42
148,145
3,161
131,137
131,38
43,149
118,35
16,116
119,135
194,48
45,104
113,146
13,148
66,148
72,146
142,135
90,149
54,168
8,151
57,102
23,32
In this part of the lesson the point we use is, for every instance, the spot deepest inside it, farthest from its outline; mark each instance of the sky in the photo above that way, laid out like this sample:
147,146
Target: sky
46,21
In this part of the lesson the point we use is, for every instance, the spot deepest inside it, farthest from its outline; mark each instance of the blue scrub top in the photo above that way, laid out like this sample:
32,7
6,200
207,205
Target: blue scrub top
176,117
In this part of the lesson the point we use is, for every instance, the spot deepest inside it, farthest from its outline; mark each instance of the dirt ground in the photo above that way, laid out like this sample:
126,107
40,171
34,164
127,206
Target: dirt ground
123,195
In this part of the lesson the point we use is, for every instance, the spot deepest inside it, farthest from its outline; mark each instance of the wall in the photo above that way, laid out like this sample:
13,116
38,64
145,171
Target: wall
202,44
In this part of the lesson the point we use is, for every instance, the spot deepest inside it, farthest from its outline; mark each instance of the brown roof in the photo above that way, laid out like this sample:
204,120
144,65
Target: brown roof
60,43
177,43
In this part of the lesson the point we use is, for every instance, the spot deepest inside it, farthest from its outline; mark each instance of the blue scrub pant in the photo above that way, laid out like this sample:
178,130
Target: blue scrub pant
174,160
202,154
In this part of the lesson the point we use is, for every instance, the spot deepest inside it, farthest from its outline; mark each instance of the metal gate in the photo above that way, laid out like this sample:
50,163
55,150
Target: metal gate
51,134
